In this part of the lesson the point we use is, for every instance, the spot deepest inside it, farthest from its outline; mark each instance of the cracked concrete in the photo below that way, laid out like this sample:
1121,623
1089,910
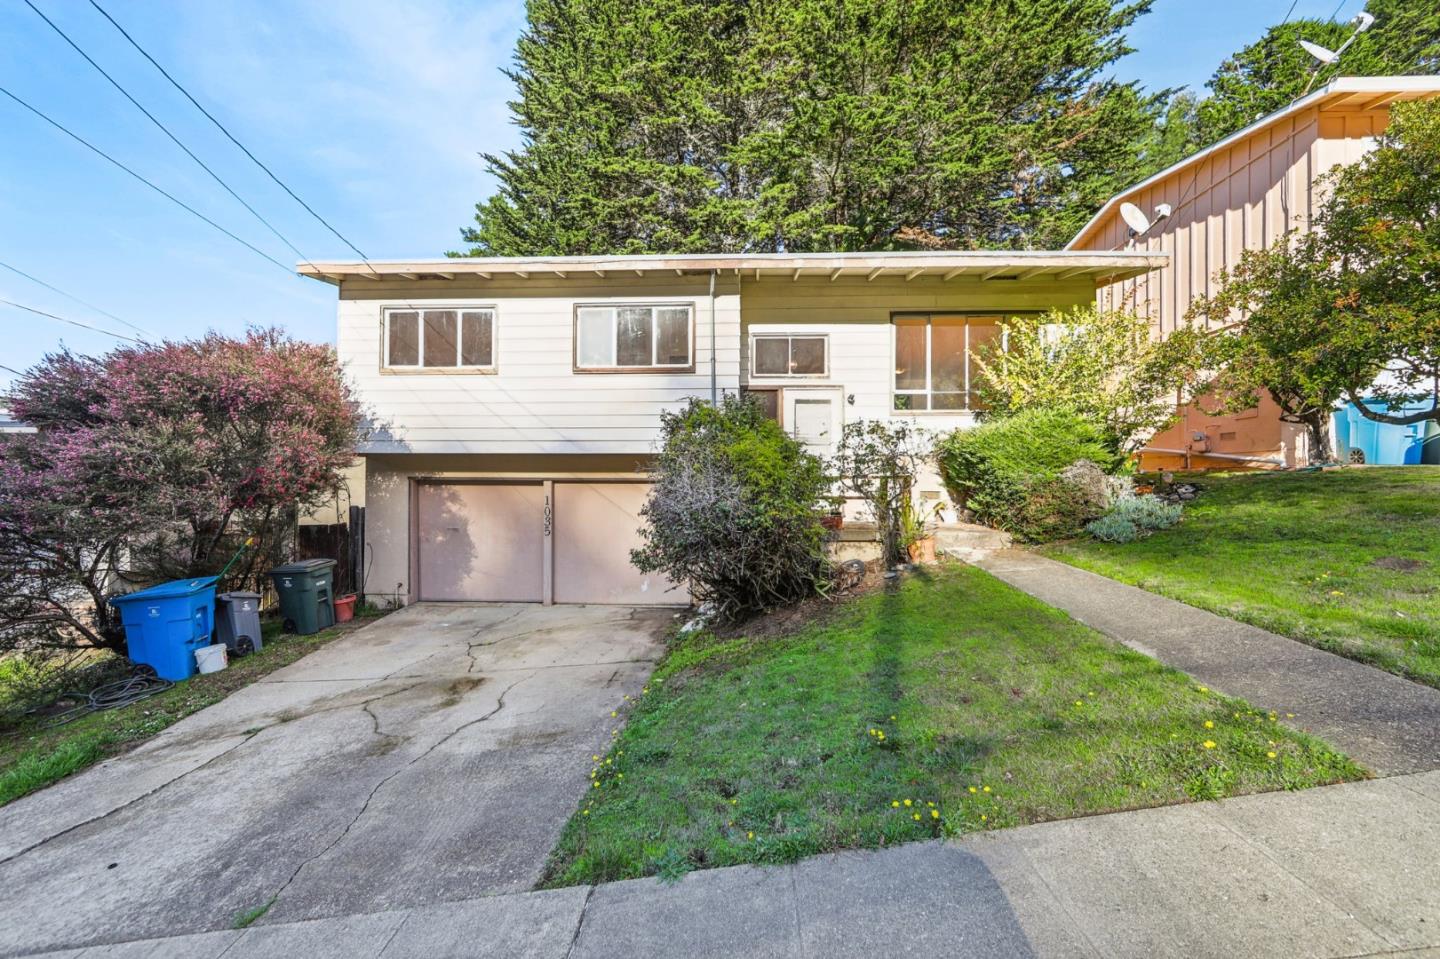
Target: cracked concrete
404,765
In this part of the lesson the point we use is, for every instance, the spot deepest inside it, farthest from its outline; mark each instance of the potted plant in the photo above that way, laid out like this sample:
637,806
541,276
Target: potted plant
917,531
832,515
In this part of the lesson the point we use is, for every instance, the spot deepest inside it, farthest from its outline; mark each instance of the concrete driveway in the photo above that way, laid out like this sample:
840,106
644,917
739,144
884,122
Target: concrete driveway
430,757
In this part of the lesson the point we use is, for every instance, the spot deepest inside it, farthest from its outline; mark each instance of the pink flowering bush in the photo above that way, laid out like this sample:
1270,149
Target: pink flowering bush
156,462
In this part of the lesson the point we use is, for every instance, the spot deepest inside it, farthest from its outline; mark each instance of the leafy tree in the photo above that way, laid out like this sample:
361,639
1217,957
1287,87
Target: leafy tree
734,510
1350,310
877,461
1274,70
690,125
155,462
1103,365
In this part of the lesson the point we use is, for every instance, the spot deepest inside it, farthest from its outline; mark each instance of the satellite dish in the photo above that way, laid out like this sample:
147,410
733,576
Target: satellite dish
1163,210
1134,218
1363,22
1319,52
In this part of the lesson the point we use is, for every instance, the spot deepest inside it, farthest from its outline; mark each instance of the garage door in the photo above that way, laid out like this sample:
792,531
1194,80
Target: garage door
482,542
596,526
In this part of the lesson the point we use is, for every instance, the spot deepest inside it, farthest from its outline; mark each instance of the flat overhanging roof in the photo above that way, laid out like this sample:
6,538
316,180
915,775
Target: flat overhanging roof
1099,266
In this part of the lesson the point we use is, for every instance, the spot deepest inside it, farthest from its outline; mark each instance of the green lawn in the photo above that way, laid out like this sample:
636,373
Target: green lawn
1346,560
949,704
33,756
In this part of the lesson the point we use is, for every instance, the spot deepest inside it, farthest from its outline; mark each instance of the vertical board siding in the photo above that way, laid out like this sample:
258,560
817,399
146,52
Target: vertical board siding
1244,197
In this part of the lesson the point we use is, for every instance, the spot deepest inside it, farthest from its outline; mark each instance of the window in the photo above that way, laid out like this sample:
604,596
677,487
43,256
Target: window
789,355
934,361
451,339
630,337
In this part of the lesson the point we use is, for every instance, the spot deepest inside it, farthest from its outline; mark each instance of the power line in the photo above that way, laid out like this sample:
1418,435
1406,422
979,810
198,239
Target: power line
10,369
1288,12
221,127
1340,6
173,199
88,306
166,130
83,326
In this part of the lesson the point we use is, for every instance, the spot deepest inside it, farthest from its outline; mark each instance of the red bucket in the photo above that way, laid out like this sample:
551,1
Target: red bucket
344,608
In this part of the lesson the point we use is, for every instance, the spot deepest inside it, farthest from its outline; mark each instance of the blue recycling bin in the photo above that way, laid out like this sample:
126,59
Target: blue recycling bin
165,624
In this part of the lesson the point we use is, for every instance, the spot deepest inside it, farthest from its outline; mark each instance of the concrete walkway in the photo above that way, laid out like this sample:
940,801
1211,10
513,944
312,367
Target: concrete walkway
1388,724
430,757
1350,870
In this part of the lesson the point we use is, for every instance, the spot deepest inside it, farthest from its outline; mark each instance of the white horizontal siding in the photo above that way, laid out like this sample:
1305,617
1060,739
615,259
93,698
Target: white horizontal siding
534,402
856,314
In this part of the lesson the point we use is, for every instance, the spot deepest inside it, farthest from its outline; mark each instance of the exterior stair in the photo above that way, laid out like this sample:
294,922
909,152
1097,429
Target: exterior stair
969,541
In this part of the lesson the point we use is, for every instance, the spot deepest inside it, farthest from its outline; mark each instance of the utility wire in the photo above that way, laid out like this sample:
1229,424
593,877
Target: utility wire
1287,12
221,127
83,326
88,306
173,199
1338,8
10,369
166,130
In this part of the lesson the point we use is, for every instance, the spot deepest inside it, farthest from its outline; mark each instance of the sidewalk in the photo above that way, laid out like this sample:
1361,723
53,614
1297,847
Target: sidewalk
1386,723
1349,870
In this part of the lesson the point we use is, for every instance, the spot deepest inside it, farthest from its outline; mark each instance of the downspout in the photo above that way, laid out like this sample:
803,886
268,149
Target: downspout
714,375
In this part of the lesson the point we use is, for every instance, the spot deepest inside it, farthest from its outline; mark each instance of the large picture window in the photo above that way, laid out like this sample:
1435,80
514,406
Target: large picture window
633,337
788,355
443,339
934,361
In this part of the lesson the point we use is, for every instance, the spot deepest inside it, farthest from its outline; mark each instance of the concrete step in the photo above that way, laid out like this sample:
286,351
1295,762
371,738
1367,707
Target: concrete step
965,539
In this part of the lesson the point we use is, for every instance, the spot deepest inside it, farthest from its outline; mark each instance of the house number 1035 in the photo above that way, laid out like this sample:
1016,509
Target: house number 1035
547,516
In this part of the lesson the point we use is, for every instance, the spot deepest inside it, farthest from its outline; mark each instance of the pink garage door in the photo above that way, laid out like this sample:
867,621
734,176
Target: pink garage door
483,542
595,528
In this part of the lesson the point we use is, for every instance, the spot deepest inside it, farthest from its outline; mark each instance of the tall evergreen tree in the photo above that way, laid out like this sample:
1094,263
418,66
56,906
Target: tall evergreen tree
1274,70
797,125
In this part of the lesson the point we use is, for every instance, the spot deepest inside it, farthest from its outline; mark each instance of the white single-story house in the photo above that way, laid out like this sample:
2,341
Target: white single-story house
517,401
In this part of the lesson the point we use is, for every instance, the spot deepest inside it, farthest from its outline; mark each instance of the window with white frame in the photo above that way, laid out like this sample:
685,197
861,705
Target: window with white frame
783,354
934,361
634,337
440,339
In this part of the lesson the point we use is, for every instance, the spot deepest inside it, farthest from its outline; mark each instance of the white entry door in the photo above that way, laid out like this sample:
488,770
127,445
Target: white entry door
814,417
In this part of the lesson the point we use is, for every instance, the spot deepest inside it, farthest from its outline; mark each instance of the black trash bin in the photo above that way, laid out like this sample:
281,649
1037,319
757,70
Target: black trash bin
307,595
237,622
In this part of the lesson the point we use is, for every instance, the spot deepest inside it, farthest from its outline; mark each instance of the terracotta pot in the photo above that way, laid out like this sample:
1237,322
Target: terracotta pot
344,608
923,550
832,521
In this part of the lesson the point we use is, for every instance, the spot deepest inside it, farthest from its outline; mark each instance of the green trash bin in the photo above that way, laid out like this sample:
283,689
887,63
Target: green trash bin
307,594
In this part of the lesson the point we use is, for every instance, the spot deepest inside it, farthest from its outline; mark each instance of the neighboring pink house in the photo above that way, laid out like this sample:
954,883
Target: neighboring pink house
1242,193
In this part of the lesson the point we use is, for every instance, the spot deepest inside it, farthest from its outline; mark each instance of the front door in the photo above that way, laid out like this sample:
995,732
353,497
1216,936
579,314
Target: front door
813,417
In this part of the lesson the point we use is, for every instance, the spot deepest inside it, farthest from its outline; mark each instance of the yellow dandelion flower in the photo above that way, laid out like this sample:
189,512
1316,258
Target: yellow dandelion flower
595,784
645,689
908,803
895,804
749,835
595,758
1079,703
916,817
1202,689
1209,724
1089,694
613,713
973,789
1289,715
734,801
982,817
930,804
892,719
879,735
1209,744
584,812
934,814
984,789
1271,754
619,775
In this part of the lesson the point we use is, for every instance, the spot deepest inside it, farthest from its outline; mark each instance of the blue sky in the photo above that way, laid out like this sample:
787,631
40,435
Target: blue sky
373,111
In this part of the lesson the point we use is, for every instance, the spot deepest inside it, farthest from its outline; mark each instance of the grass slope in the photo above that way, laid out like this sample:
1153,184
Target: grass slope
33,756
949,704
1306,555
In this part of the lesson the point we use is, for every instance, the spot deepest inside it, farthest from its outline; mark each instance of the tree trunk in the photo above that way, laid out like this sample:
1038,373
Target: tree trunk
1318,426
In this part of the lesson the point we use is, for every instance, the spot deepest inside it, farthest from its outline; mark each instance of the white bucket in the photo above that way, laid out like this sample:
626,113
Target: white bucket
211,659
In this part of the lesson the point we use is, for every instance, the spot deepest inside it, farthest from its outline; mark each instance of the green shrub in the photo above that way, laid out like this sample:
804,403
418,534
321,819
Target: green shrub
1006,471
1133,517
1113,529
735,510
